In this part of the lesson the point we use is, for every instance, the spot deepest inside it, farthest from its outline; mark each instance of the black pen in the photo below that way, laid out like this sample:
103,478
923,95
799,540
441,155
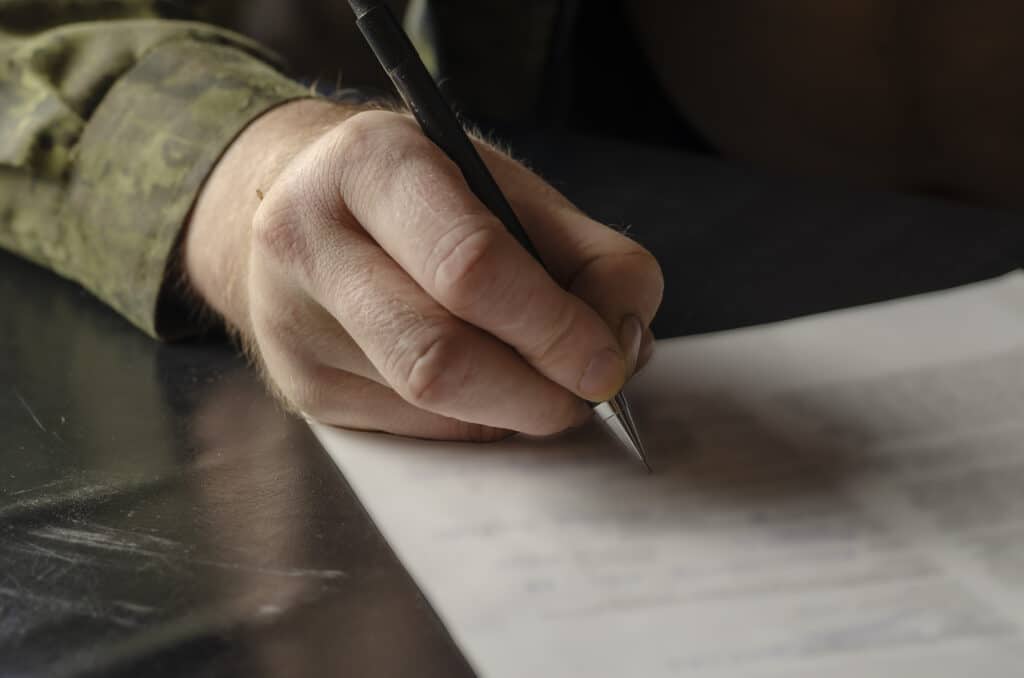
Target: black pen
414,83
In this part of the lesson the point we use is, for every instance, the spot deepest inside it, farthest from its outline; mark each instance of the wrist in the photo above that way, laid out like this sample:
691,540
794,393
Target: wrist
215,247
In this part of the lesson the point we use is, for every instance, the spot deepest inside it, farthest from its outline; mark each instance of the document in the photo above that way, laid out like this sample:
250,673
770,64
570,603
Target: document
840,495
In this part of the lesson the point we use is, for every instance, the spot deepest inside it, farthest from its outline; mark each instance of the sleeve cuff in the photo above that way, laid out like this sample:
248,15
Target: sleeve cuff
142,159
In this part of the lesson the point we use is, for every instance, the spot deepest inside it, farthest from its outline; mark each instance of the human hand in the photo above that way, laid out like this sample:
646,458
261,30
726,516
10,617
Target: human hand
378,293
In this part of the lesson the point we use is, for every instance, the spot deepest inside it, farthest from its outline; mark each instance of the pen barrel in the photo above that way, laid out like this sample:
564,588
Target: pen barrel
421,94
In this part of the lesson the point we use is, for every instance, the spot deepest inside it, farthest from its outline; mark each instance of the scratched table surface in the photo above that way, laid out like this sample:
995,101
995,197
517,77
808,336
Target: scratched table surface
161,517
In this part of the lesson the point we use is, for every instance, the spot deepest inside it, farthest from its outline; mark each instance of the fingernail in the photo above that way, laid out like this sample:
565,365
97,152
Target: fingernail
603,376
631,334
646,349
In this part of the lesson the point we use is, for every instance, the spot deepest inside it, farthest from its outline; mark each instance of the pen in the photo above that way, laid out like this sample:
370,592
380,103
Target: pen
414,83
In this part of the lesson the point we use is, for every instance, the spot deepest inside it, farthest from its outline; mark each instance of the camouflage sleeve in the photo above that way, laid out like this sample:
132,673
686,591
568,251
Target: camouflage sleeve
107,130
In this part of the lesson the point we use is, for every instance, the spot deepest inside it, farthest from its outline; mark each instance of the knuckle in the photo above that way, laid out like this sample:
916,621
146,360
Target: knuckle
464,265
277,232
361,130
381,140
356,138
633,268
428,380
428,365
375,152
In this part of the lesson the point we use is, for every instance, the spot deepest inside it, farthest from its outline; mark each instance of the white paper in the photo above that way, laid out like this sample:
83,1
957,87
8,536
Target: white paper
840,495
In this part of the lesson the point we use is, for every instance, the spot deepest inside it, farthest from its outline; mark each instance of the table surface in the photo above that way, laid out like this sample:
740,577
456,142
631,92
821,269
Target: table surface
161,516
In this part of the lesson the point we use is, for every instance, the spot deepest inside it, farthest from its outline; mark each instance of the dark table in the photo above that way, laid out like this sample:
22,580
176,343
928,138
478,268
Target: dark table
161,516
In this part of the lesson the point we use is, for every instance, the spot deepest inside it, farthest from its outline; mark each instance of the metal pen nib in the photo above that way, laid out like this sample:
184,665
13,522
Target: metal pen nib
617,418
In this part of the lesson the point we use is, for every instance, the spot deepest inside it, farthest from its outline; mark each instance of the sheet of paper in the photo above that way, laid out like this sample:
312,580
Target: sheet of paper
835,496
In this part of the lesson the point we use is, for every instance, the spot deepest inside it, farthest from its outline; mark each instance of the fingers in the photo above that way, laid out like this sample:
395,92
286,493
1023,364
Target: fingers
301,329
433,360
317,369
415,203
340,399
612,273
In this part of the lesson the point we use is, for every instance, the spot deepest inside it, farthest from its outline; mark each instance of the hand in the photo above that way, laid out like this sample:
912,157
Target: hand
378,293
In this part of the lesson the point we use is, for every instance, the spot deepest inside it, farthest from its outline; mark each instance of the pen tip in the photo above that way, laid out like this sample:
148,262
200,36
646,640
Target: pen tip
626,414
617,418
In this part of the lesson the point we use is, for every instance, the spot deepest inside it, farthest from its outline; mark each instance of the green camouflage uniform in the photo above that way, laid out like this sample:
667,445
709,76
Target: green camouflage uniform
113,112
